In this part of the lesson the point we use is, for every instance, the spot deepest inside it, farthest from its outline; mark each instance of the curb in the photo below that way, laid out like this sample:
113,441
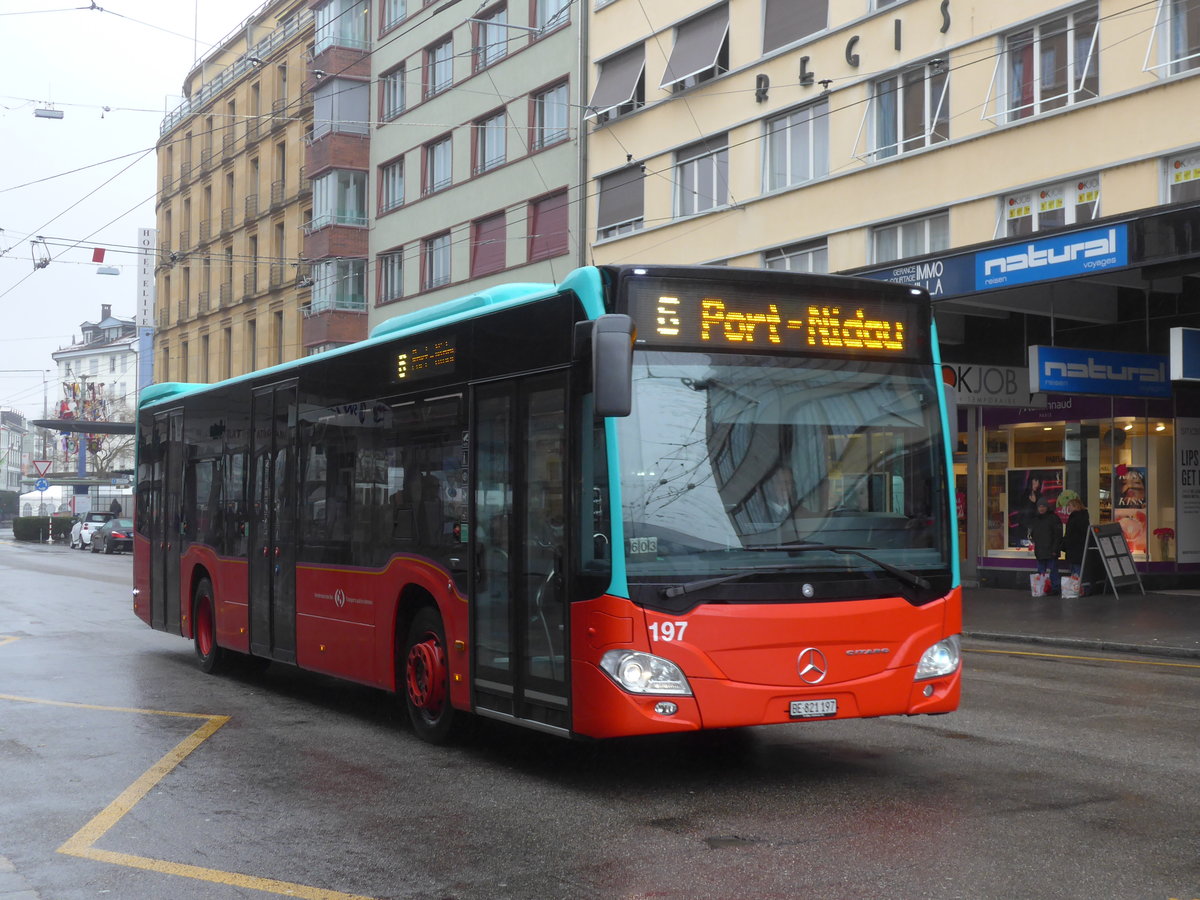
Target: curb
1088,644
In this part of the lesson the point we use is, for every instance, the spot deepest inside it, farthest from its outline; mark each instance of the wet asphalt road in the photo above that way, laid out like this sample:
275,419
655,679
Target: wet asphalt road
1061,776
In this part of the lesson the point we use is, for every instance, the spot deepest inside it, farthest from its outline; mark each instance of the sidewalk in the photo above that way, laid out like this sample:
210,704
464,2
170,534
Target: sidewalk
1160,624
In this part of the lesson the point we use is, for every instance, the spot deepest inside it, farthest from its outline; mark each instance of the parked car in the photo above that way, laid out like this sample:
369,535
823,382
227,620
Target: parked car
113,536
82,531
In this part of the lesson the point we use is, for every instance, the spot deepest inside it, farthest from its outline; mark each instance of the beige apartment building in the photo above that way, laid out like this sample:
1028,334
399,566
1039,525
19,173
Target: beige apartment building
233,204
1034,164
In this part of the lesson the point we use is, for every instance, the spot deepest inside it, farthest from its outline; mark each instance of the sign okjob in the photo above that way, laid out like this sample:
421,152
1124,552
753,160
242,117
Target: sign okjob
1063,256
1063,370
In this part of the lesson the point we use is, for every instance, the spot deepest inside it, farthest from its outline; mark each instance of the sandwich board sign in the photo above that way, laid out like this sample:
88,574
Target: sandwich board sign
1108,543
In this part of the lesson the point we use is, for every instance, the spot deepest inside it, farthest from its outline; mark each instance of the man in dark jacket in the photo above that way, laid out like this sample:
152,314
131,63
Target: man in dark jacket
1046,532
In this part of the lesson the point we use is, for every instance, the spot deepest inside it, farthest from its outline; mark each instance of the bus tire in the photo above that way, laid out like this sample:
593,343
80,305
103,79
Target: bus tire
426,678
213,659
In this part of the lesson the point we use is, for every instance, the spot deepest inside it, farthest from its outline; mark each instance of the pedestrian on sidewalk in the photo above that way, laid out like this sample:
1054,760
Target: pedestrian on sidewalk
1075,538
1046,532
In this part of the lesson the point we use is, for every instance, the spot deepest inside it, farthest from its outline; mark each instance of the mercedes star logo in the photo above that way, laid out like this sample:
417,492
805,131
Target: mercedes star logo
812,666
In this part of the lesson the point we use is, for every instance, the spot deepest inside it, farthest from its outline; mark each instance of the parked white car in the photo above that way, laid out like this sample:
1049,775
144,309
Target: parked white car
82,531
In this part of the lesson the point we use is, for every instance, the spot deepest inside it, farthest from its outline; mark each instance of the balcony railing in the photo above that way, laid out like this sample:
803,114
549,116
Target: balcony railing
185,240
276,275
251,206
227,142
166,183
181,310
206,157
205,230
227,219
277,193
226,293
202,302
185,170
250,283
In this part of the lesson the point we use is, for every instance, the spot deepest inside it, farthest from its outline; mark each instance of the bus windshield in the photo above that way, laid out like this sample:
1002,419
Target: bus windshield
732,461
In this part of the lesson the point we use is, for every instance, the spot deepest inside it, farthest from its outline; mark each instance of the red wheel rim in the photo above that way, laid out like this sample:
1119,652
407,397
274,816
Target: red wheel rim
204,626
426,675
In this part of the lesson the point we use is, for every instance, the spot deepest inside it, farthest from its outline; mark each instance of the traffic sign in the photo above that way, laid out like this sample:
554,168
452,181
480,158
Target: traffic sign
41,484
41,466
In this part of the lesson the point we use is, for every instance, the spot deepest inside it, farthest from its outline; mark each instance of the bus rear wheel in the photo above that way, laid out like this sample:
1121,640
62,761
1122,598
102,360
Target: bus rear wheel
427,678
213,658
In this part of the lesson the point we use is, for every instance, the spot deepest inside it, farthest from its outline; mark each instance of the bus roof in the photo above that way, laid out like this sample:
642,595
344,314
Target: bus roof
585,282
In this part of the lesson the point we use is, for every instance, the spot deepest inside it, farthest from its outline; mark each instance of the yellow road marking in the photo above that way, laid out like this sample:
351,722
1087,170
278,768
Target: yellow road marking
82,843
6,639
1127,662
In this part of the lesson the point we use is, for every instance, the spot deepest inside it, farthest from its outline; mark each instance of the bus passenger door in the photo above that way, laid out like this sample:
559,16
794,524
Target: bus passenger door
272,520
166,523
518,545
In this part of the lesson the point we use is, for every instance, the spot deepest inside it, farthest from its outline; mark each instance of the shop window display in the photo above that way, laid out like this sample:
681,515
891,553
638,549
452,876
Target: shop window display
1120,468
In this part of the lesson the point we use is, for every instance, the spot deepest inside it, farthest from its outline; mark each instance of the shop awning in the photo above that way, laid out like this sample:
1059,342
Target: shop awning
697,45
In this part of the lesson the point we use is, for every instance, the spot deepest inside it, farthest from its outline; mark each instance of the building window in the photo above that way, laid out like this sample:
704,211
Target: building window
491,37
435,260
619,203
551,14
620,86
787,21
912,110
701,51
810,257
393,93
1052,64
702,176
548,227
339,284
798,146
439,67
394,12
1183,177
341,23
1183,34
550,108
488,245
339,198
391,275
490,142
340,105
438,171
1068,203
391,185
911,237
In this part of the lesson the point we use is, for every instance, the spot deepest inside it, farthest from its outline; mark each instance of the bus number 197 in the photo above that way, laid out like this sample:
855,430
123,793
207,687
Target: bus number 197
667,631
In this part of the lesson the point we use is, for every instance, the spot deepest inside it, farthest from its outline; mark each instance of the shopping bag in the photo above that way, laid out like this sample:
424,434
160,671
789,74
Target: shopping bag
1039,584
1070,586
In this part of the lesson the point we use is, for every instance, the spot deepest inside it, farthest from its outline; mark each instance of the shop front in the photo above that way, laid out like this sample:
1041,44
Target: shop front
1058,348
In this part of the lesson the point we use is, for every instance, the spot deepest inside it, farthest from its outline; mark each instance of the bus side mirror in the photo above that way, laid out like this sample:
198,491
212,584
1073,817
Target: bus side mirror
612,364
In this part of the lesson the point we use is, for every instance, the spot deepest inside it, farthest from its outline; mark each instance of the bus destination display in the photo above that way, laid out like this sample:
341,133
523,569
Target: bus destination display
424,360
676,312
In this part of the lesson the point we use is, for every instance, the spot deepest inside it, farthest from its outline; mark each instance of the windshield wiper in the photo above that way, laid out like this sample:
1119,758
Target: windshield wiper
681,589
909,578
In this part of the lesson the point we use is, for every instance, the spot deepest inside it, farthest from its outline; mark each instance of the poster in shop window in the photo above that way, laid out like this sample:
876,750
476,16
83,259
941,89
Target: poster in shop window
1129,508
1025,488
1187,490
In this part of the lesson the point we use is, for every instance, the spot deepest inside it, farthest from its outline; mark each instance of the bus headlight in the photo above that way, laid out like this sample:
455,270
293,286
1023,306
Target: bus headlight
940,659
642,673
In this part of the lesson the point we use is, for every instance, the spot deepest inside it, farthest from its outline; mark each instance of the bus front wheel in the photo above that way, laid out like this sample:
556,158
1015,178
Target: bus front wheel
427,678
204,628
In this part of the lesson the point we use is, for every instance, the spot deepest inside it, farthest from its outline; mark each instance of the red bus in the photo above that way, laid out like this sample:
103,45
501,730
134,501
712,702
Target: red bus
644,500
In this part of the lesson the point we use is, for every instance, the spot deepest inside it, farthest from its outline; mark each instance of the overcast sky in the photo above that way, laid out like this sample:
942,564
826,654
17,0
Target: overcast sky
55,180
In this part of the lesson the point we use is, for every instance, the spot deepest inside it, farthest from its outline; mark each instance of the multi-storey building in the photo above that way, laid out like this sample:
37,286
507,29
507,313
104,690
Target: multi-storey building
14,455
1032,163
97,382
473,172
234,202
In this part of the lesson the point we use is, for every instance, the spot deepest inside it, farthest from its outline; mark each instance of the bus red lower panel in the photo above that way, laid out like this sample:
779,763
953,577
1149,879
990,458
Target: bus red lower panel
760,664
